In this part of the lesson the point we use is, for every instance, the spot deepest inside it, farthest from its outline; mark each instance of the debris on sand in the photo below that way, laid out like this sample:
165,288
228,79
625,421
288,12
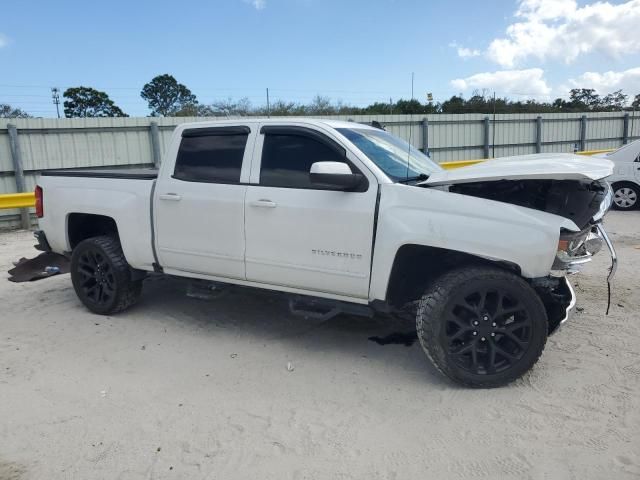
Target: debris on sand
399,338
45,265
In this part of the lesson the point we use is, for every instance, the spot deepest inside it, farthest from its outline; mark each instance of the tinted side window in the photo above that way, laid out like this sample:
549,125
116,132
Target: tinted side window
211,158
287,159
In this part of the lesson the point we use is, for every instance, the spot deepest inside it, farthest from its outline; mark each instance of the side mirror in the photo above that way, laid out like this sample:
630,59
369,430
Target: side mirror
334,175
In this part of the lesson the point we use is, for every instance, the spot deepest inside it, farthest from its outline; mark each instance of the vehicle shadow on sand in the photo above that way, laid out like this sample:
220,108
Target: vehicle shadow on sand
265,317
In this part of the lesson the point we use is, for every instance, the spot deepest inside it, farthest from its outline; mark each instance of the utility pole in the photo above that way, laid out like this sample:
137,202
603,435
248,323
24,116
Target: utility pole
493,141
390,106
268,106
55,94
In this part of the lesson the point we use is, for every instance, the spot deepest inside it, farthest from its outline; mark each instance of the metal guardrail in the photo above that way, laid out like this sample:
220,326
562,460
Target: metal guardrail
593,152
459,163
26,200
17,200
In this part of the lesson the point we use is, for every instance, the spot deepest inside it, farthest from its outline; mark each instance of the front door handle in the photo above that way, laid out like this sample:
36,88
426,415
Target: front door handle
174,197
264,203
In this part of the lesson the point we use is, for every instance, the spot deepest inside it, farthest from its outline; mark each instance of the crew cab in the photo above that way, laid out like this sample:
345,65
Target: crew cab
344,217
625,180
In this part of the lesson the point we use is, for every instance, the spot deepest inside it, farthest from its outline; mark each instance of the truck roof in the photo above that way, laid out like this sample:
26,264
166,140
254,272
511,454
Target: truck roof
279,120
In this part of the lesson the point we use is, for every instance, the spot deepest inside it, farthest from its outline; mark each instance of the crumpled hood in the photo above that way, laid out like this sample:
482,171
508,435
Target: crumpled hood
540,166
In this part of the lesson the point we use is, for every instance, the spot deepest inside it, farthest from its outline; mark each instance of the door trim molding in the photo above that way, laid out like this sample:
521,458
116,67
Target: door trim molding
307,268
200,254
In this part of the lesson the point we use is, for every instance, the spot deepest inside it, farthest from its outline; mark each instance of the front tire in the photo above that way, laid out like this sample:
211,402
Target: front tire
101,276
481,326
626,196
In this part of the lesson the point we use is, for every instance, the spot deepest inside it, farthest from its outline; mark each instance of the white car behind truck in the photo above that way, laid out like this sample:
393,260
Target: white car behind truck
344,217
625,180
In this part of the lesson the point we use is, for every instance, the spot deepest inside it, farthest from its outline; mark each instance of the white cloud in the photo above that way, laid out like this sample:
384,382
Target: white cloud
4,40
257,4
529,82
560,29
464,52
607,82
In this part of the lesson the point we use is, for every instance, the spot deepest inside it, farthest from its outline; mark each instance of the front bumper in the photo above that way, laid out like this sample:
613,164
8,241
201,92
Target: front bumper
569,293
559,299
571,308
612,252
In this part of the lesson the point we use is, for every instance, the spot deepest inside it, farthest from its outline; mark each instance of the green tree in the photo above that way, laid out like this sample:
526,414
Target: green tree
281,108
378,108
167,97
7,111
456,104
614,101
228,108
408,107
584,98
636,102
320,106
88,102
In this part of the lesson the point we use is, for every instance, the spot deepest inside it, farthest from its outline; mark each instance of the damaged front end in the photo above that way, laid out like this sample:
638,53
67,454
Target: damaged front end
584,202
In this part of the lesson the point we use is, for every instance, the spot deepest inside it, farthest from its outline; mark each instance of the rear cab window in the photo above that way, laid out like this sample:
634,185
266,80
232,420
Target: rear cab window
211,155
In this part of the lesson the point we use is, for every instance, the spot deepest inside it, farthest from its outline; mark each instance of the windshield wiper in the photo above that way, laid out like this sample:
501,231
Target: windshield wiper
417,178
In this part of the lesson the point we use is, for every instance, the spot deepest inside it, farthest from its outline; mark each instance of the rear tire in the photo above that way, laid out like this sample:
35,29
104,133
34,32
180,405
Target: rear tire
481,326
101,276
626,196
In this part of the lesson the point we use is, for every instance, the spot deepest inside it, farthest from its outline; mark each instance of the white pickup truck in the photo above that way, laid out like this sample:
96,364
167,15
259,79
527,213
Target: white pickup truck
344,217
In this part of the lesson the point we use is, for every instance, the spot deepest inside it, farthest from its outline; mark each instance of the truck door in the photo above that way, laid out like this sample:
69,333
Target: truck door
199,206
299,235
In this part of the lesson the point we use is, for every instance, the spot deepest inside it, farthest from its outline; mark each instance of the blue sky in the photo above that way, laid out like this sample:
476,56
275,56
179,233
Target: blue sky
351,50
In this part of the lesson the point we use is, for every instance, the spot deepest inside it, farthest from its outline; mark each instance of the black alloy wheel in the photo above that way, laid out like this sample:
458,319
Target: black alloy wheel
101,276
482,326
487,331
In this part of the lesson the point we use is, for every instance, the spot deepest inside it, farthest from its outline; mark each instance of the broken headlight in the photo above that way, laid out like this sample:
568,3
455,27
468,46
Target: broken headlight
575,249
605,205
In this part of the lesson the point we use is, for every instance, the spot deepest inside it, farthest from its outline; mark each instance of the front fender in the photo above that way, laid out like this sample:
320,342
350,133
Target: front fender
485,228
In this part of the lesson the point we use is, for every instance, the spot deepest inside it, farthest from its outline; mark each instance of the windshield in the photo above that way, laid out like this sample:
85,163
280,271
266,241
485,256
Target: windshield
391,154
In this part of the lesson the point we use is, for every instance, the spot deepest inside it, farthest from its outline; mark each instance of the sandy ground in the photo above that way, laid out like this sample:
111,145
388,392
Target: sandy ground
185,388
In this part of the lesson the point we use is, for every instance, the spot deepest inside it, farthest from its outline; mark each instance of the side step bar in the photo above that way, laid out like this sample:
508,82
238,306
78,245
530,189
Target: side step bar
324,309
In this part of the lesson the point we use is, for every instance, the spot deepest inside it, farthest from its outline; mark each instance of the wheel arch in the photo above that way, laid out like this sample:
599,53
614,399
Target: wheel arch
619,182
415,266
81,226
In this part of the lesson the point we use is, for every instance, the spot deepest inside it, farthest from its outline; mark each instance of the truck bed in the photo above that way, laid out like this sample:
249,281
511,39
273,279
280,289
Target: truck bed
125,174
122,195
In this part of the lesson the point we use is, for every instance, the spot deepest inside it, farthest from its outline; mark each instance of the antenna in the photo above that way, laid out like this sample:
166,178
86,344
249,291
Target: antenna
55,94
410,129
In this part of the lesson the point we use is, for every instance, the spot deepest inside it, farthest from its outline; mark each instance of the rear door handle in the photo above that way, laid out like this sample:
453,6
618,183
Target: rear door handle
174,197
263,203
